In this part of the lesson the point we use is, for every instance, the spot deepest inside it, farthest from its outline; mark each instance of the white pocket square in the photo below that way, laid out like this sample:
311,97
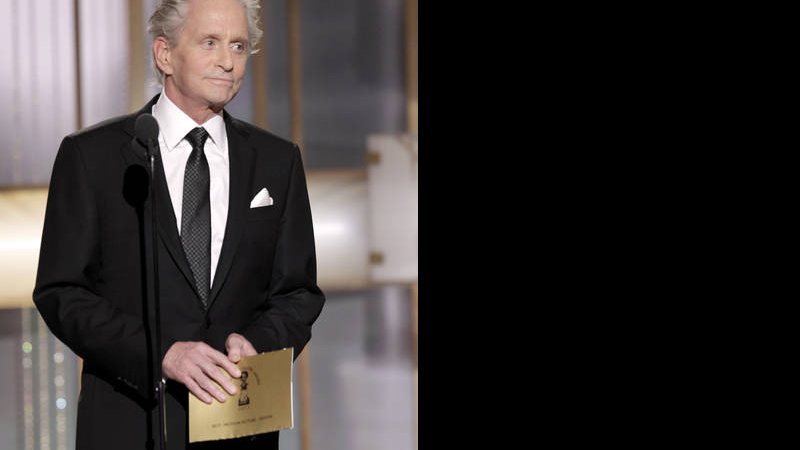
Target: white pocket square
261,199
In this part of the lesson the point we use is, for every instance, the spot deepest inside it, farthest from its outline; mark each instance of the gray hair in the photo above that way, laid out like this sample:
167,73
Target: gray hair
170,15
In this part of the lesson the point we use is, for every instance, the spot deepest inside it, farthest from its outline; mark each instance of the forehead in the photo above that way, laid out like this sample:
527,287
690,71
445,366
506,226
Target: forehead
221,17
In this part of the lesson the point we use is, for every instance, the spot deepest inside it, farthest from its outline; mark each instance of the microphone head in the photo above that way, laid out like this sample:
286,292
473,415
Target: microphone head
146,128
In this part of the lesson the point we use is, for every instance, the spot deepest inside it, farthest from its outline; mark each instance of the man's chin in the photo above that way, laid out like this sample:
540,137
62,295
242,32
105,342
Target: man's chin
218,102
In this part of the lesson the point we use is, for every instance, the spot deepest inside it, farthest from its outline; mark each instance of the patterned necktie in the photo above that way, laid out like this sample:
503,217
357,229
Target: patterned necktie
196,213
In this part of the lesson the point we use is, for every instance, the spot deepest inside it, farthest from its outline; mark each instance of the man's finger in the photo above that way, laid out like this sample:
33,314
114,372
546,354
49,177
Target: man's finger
248,349
218,375
209,386
198,392
238,346
223,361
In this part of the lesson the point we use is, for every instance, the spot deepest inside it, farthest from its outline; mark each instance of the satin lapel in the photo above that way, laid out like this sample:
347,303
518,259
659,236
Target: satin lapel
241,157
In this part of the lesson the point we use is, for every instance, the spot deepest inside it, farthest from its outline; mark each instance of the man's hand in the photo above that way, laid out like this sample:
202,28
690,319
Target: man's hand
197,365
238,346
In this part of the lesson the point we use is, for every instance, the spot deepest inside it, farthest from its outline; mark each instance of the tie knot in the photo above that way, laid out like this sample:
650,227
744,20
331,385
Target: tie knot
197,137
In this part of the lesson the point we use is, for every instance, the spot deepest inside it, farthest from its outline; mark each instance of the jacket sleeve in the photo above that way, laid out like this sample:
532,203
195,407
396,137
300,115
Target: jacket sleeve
294,301
68,275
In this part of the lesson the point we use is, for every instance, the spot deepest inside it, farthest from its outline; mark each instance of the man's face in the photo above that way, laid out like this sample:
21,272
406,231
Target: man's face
205,67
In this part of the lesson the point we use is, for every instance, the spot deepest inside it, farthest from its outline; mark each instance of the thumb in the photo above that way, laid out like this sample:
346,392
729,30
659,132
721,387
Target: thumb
235,353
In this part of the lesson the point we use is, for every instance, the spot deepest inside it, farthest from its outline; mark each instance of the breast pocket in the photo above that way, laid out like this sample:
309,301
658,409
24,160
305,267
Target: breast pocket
260,237
263,213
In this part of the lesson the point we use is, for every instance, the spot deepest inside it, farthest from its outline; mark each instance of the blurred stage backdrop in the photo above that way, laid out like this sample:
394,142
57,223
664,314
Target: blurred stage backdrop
338,77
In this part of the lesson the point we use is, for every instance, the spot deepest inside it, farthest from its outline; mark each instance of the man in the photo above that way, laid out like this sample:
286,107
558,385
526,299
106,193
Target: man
236,256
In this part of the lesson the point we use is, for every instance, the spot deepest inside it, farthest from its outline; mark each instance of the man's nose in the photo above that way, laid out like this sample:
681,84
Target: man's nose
225,59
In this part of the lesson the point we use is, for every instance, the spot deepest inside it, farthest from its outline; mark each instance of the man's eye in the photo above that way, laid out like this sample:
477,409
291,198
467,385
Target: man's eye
208,44
238,47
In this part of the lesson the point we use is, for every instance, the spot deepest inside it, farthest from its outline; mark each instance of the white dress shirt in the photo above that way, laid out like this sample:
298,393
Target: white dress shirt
173,125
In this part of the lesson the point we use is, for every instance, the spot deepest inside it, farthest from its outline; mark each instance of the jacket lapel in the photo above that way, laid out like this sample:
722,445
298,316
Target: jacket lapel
241,157
167,226
168,229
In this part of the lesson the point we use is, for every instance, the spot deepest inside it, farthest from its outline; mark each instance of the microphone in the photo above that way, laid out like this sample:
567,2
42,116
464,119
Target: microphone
146,131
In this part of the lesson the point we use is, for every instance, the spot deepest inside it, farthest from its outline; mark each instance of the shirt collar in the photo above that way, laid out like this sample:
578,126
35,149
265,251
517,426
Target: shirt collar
174,124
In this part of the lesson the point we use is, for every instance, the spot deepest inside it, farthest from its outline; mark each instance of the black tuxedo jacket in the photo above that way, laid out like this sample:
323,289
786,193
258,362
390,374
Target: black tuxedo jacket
96,247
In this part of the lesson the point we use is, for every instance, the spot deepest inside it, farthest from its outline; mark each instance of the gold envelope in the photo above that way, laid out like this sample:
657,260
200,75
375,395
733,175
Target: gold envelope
262,404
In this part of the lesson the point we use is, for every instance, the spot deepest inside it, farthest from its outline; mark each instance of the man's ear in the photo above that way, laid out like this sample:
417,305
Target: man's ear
163,56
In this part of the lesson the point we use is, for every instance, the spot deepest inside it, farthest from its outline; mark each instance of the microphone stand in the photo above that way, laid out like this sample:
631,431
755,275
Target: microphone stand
160,382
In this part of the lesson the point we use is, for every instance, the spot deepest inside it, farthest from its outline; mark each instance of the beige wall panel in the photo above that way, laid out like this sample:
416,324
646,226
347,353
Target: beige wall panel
20,235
